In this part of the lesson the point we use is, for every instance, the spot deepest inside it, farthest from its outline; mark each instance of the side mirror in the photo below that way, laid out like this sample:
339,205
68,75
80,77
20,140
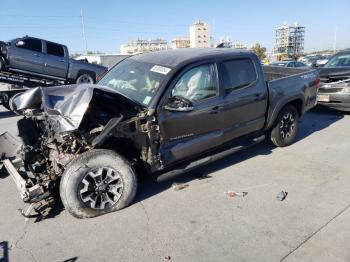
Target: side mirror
20,43
178,104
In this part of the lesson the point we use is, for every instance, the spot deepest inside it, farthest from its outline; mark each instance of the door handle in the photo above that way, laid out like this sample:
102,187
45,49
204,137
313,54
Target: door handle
61,60
215,109
259,96
36,55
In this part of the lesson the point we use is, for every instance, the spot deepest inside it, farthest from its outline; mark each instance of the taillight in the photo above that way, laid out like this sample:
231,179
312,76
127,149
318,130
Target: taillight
98,77
318,83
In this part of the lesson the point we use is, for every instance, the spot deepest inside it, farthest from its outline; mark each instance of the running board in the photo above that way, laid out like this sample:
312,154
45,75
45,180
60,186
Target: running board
208,159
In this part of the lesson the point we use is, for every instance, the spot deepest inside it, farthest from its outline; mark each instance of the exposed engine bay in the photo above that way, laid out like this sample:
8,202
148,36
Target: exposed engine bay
69,121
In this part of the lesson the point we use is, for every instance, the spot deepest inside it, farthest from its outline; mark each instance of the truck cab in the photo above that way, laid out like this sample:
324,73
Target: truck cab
33,55
46,59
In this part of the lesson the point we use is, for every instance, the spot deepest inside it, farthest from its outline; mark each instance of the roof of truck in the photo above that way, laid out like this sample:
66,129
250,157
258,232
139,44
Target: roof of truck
175,57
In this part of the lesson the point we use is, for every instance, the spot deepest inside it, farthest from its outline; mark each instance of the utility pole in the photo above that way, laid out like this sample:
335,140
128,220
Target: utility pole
335,40
83,31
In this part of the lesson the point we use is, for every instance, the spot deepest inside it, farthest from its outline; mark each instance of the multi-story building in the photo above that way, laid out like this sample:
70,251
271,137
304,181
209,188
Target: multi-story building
200,34
180,42
290,39
142,45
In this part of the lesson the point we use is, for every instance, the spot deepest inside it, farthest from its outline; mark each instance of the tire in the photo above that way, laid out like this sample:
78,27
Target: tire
285,128
77,190
85,79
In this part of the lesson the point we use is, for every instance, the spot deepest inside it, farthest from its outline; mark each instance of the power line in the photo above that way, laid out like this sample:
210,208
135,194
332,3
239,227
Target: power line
83,30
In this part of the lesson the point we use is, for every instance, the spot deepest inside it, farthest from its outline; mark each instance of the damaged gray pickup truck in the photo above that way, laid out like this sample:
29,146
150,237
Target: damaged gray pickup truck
160,113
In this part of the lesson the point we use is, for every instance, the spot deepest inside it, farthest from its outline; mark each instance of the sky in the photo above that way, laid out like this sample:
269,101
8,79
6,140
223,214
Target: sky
110,23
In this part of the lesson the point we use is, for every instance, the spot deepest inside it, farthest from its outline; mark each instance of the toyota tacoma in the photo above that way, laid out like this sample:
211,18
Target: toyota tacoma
160,113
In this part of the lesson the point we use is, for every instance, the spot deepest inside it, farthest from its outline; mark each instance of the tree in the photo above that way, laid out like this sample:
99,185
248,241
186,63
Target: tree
259,51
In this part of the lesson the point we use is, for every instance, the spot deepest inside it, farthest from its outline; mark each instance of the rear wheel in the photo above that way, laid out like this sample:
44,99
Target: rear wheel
85,79
97,182
285,128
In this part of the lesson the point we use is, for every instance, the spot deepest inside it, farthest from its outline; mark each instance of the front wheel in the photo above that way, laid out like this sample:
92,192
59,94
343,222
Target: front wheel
285,128
97,182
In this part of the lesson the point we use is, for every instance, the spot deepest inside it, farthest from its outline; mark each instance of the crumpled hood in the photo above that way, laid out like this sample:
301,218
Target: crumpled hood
334,72
66,105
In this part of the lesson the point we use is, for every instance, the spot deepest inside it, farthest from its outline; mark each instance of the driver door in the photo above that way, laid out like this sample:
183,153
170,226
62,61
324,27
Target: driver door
188,133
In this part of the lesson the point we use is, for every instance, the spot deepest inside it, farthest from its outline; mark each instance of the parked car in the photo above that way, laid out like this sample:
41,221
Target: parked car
161,113
289,63
321,61
335,82
38,57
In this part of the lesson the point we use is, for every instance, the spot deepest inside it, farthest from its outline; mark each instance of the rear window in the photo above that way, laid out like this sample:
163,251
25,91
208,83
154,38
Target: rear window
54,49
237,74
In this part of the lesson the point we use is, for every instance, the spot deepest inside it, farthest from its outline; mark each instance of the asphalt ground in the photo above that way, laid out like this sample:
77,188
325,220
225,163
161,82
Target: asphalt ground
202,223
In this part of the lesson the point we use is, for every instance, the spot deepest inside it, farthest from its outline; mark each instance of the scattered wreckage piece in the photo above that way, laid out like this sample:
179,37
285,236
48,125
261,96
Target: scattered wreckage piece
281,195
236,194
179,186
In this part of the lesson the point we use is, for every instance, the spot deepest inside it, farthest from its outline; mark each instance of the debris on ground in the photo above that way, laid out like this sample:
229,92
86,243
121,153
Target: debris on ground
167,258
179,186
202,176
236,194
281,195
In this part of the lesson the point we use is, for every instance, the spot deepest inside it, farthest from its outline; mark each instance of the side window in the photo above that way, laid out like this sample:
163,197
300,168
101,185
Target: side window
54,49
32,44
237,74
291,64
197,84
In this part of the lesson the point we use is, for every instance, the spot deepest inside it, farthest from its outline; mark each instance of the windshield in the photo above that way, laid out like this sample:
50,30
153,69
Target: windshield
137,80
339,60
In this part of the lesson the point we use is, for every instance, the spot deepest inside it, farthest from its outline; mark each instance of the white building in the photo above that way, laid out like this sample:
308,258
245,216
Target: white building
180,42
141,46
200,34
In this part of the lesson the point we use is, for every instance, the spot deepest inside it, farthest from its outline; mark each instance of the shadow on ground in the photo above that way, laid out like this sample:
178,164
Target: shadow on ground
316,120
313,121
5,114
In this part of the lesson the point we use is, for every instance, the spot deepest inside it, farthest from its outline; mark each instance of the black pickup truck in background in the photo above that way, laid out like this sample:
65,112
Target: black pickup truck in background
46,59
160,113
335,82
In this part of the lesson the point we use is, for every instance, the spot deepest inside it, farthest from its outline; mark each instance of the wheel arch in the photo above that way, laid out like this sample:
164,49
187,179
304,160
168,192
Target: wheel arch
297,102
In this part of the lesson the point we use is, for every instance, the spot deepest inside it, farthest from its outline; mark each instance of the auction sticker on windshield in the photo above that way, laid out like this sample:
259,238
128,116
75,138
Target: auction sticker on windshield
160,69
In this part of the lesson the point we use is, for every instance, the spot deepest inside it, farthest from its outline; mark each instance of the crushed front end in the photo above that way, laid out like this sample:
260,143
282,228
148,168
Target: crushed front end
60,123
37,161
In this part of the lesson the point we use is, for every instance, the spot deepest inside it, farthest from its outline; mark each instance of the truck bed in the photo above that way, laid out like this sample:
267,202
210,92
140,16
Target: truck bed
288,84
275,72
